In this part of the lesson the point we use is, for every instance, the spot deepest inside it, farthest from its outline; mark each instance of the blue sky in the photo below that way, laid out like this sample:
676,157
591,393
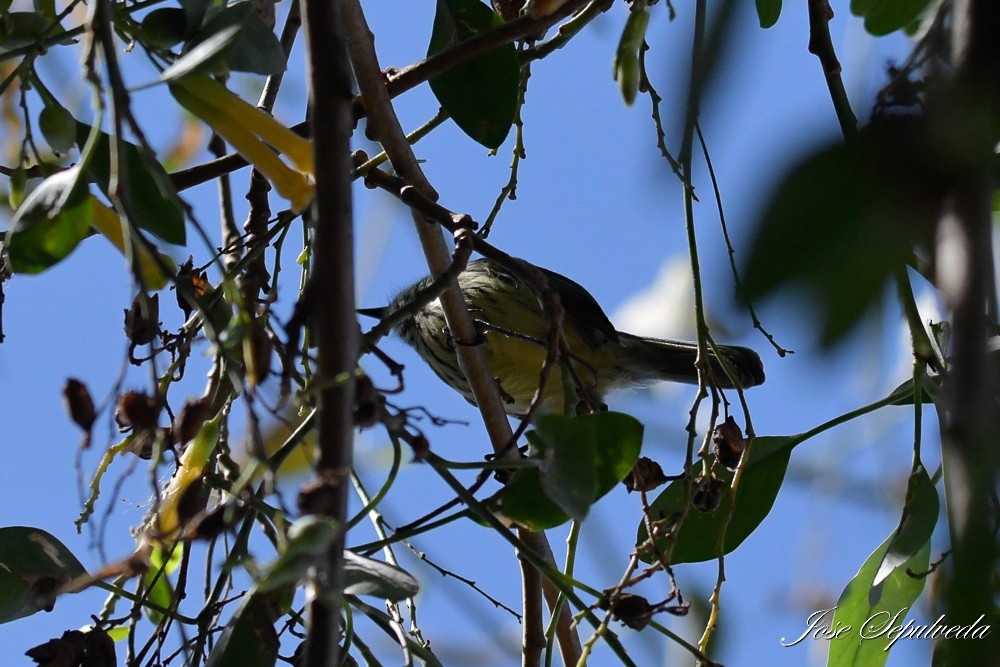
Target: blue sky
596,203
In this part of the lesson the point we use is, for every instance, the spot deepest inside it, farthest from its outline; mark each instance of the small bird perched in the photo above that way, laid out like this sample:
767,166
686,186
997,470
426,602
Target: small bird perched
513,329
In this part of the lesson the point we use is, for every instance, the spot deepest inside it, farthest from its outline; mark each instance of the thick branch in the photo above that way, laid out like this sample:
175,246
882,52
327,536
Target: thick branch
330,300
971,461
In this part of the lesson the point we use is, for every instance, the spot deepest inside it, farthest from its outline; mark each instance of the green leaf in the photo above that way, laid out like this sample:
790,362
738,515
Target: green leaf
366,576
20,29
17,186
195,12
845,219
257,50
46,8
161,591
204,55
480,95
885,16
867,613
311,535
172,561
158,211
249,639
566,471
58,126
699,536
768,12
930,389
580,459
33,565
525,503
163,27
50,223
253,46
308,537
920,514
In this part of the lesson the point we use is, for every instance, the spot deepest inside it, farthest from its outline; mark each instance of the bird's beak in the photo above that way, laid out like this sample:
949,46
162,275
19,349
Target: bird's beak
377,313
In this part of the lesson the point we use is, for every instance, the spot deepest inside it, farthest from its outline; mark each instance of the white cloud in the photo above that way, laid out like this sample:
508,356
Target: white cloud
665,309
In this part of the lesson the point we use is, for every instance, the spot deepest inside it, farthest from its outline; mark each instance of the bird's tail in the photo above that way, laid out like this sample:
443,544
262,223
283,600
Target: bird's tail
652,359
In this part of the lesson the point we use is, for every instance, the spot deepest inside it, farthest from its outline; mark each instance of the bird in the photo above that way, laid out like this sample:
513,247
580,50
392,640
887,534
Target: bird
512,329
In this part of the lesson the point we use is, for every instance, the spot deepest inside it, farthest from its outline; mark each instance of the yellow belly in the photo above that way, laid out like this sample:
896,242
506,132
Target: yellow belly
517,365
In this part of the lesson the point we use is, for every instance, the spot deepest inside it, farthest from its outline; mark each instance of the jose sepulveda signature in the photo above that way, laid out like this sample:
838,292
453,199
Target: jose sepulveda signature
887,626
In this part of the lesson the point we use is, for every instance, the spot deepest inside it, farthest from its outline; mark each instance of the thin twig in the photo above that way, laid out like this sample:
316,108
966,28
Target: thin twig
293,21
509,190
409,77
782,352
821,45
654,99
568,30
704,55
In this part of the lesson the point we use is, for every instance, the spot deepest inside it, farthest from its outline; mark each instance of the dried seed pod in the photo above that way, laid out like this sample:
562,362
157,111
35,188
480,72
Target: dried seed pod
99,649
421,447
79,404
707,493
366,403
44,592
728,443
192,501
632,610
63,651
137,410
197,281
216,521
646,475
142,320
191,417
93,648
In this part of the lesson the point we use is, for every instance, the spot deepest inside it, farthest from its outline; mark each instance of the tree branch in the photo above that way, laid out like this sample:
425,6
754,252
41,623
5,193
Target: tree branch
385,126
412,76
330,300
965,242
821,46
